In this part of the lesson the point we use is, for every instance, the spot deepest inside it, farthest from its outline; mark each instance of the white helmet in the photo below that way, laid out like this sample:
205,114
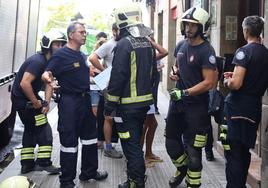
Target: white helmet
128,15
17,182
198,16
51,36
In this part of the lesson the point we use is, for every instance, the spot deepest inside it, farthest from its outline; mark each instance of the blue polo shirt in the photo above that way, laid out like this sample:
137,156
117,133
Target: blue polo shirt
71,70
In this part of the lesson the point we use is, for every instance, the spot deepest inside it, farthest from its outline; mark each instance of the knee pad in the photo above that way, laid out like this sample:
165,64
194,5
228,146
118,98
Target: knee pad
174,148
194,158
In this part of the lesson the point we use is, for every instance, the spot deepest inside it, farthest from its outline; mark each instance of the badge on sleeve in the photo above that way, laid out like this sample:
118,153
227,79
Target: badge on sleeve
212,59
240,55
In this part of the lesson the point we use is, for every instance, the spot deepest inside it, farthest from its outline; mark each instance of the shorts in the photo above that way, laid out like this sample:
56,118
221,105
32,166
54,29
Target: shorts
95,97
151,110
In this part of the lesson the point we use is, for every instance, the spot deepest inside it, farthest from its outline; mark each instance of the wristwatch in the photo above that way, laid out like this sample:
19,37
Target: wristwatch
44,103
185,93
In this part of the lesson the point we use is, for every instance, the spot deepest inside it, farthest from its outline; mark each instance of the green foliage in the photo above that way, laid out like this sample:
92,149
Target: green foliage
60,15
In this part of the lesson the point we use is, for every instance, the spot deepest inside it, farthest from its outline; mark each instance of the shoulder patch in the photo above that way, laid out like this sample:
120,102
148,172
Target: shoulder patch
212,59
240,55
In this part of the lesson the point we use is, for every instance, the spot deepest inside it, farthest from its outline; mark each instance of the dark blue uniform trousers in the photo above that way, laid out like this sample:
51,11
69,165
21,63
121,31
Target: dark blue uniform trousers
186,127
130,131
76,120
35,133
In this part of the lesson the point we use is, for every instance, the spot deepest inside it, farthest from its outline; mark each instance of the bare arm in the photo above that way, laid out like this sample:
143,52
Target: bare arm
210,76
235,79
27,88
162,52
94,59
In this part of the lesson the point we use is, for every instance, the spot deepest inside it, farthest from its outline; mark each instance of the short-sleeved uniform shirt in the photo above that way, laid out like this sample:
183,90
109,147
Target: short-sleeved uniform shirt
35,65
71,70
246,101
190,61
106,52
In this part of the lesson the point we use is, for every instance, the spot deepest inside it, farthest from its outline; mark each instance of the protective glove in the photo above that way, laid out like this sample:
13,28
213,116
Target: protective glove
175,94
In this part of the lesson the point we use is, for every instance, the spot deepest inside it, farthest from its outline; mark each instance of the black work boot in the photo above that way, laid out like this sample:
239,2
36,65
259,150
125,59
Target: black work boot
210,155
51,169
132,184
100,175
27,168
177,179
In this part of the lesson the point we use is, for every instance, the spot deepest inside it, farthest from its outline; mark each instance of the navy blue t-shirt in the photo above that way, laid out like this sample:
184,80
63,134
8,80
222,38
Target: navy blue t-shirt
70,69
190,61
35,65
254,58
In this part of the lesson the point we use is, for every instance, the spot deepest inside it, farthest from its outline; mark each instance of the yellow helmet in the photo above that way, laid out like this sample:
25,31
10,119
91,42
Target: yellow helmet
17,182
198,16
128,15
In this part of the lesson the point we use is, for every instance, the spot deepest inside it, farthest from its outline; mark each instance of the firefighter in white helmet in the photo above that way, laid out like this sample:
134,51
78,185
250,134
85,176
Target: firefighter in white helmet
17,182
32,109
130,88
195,74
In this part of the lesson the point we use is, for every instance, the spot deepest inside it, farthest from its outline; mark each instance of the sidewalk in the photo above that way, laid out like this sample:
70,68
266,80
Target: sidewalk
213,175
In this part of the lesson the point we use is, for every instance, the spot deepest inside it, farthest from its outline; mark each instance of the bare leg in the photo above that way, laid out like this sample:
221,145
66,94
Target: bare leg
107,129
151,124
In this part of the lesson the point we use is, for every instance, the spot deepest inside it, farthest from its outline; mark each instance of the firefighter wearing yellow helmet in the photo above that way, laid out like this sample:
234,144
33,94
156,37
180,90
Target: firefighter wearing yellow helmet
130,18
188,111
17,182
129,91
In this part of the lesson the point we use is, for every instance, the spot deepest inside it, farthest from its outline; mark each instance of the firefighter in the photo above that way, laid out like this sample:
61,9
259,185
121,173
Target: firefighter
130,88
243,105
32,109
187,117
76,119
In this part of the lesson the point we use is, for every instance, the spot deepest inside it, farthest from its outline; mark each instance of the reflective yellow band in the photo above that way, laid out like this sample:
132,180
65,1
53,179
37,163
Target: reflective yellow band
226,147
40,116
181,161
27,156
133,75
27,150
200,137
43,155
223,136
112,98
44,148
136,99
199,144
41,122
177,173
193,181
223,127
192,174
124,135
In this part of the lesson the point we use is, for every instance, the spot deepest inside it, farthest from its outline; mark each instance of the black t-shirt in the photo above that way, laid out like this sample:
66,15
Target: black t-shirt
254,58
190,61
35,65
70,69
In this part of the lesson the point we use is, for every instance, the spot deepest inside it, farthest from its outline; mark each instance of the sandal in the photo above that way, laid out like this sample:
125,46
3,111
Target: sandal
149,164
154,158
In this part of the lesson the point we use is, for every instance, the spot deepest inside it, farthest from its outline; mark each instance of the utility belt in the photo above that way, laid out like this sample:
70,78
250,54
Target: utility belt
59,92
